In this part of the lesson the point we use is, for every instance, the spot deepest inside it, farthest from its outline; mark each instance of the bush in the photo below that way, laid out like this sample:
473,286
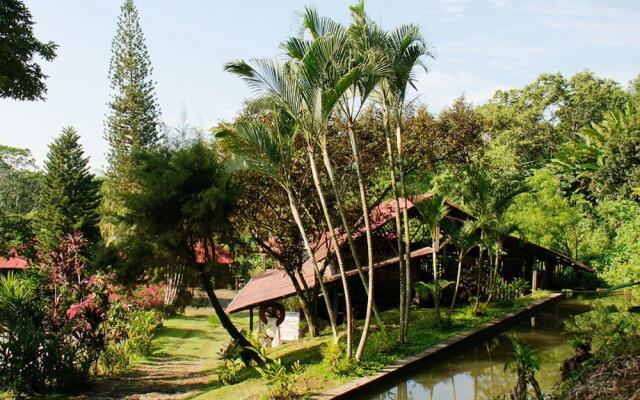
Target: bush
140,332
379,343
129,334
150,297
333,356
228,370
51,322
508,292
281,380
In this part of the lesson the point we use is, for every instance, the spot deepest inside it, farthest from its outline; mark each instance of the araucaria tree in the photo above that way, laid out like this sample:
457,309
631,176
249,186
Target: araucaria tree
21,78
133,121
69,196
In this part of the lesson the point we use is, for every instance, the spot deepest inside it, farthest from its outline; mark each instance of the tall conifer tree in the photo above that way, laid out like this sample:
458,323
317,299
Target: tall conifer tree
133,120
134,115
69,196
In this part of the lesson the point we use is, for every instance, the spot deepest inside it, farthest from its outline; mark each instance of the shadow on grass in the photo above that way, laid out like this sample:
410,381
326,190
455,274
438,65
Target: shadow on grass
307,355
160,356
182,333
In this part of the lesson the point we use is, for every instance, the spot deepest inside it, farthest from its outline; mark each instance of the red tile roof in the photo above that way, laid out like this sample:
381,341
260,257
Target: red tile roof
275,284
223,255
13,263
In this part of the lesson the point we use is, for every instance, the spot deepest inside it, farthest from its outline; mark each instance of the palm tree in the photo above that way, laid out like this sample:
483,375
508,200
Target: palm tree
464,239
405,48
269,150
487,199
361,52
308,89
498,230
524,362
433,211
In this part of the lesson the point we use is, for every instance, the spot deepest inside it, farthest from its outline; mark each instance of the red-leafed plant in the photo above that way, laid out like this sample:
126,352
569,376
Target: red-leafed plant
52,321
150,297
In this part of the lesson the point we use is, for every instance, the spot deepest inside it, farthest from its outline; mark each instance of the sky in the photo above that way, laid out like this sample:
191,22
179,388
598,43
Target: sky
479,46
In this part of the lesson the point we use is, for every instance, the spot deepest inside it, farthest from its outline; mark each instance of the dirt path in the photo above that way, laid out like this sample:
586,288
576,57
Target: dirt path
182,369
160,378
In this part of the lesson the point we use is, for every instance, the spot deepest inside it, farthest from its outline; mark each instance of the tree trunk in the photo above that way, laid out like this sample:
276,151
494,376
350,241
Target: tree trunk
248,352
479,272
401,263
494,274
407,228
455,291
338,253
535,386
367,226
305,240
436,291
347,228
313,331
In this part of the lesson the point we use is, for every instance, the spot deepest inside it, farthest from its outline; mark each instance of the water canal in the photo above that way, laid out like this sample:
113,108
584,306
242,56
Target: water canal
477,372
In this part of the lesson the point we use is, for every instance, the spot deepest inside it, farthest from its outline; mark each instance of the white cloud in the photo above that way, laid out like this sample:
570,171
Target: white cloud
453,7
498,3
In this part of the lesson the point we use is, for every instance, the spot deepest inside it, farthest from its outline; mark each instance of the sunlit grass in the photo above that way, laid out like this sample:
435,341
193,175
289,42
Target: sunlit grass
193,336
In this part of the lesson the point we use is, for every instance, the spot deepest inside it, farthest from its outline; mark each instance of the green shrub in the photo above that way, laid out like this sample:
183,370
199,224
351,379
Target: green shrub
140,332
228,370
281,381
116,357
508,292
129,334
333,356
379,343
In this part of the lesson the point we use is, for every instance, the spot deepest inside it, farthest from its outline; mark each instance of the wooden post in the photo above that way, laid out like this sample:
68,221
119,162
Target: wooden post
251,319
534,281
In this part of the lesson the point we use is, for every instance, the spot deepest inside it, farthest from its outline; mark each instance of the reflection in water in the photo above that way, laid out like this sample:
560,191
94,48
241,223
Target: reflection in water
477,372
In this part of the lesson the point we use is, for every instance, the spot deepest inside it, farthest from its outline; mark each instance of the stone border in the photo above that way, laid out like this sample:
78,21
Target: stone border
454,342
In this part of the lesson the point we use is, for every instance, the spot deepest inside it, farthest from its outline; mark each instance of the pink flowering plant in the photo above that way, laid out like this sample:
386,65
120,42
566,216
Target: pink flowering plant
81,301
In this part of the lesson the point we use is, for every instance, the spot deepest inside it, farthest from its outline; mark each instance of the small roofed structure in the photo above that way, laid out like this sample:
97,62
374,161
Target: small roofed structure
521,260
223,255
13,263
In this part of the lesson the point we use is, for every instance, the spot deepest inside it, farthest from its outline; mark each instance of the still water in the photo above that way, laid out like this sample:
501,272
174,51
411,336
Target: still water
477,372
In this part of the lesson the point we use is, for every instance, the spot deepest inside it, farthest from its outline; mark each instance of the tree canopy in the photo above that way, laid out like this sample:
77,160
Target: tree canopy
21,77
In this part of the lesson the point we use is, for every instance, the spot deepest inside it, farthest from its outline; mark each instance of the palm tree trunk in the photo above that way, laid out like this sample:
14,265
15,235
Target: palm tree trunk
367,226
346,226
455,291
247,352
479,272
336,248
394,188
436,293
494,275
304,304
407,230
305,240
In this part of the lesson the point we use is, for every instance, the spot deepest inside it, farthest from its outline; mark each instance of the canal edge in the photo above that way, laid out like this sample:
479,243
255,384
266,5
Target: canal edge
454,342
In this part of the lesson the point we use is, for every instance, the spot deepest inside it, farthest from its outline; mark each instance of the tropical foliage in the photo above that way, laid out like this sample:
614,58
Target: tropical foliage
332,133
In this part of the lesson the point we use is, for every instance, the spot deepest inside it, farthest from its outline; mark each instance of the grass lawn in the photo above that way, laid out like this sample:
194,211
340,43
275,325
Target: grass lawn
192,337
